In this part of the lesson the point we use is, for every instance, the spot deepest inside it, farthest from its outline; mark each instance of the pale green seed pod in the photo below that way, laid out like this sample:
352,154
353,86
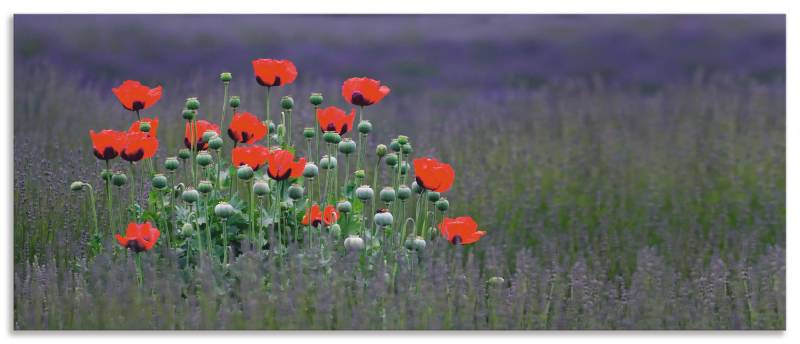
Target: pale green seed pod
403,192
344,207
347,146
190,195
295,192
310,171
260,188
387,194
244,172
76,186
119,179
224,210
354,243
159,181
205,187
364,192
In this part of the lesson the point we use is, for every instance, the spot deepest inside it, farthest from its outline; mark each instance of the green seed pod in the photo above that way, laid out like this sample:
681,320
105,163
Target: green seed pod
406,149
106,175
391,159
433,196
172,163
335,230
184,153
364,127
190,195
271,126
234,102
344,207
327,163
315,99
332,137
402,139
205,186
364,192
381,150
260,188
394,145
208,135
310,171
360,174
192,103
403,192
225,77
347,146
159,181
244,172
187,229
119,179
296,192
387,194
204,158
496,281
442,204
224,210
215,143
383,218
416,188
287,103
144,127
309,133
354,243
419,243
76,186
188,114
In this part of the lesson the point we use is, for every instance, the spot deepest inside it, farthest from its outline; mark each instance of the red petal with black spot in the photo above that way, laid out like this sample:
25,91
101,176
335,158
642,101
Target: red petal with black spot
138,146
461,230
139,237
153,126
271,72
363,91
107,144
433,174
335,119
246,128
253,156
315,216
201,127
281,165
134,96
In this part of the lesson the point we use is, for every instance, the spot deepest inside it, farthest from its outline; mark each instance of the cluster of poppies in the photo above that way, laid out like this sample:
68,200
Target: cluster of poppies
263,164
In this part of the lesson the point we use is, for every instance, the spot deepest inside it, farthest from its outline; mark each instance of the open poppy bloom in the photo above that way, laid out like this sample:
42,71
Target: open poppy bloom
433,175
271,72
134,96
107,144
461,230
281,165
139,237
316,217
253,156
363,91
335,119
138,146
201,127
153,126
246,128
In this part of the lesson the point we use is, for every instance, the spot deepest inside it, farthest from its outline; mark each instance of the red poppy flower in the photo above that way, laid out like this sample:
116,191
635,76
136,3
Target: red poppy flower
433,174
201,127
335,119
139,237
461,230
317,217
153,126
138,146
134,96
271,72
246,128
281,165
253,156
107,144
363,91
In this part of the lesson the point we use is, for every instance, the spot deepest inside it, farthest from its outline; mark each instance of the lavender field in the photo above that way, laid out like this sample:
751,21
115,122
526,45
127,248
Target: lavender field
629,172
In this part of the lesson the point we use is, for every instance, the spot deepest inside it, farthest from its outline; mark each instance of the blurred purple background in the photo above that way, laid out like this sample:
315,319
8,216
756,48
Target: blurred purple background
464,52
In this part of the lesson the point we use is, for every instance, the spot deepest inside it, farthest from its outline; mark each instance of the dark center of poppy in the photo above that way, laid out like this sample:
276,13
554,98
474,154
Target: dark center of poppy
330,127
233,135
358,99
135,246
135,156
137,105
107,154
456,240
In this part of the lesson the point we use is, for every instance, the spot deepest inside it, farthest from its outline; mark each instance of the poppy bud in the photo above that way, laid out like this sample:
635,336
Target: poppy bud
204,158
433,196
360,174
225,77
383,218
415,243
244,172
347,146
391,159
171,164
208,135
415,187
404,168
387,194
287,103
381,150
205,186
223,210
332,137
281,130
364,127
364,192
311,170
402,139
76,186
192,103
234,102
354,243
260,188
315,99
190,195
403,192
394,145
187,228
442,204
159,181
295,192
344,207
406,148
215,143
184,153
119,179
335,230
327,163
496,281
271,126
308,133
188,115
106,175
144,127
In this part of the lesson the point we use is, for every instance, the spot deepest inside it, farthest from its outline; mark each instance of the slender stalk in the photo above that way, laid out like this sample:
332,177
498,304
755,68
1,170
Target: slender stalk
251,206
94,208
133,192
224,105
225,241
208,227
139,271
266,109
108,198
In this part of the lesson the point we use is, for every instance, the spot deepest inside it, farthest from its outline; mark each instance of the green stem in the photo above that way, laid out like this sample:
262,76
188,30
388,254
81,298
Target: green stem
109,205
252,218
225,241
94,209
224,106
139,271
133,192
266,109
